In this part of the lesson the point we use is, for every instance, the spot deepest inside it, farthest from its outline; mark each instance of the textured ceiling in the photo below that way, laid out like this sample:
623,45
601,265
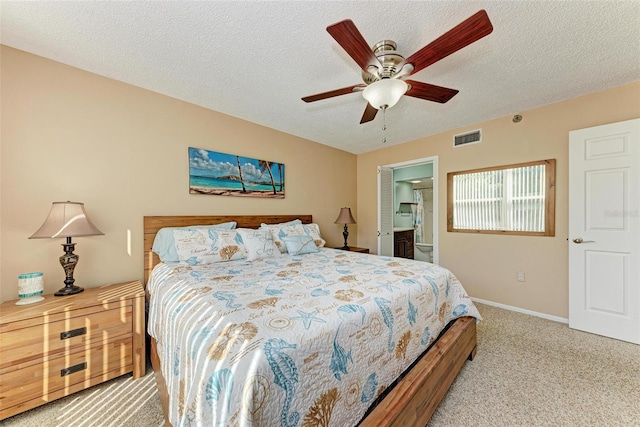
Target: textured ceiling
255,60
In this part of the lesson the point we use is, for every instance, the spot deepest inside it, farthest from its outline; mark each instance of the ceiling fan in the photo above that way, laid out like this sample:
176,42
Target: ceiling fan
384,70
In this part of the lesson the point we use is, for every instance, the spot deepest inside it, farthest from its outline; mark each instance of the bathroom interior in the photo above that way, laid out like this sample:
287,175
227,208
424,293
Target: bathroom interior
413,219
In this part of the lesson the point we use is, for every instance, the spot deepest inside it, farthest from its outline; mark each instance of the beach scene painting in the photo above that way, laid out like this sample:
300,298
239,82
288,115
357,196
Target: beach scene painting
221,174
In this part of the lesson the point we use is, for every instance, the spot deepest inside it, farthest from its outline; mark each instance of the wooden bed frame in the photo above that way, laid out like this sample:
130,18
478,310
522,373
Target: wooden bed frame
411,402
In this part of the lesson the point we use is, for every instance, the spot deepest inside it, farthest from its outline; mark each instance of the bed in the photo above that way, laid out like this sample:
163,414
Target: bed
301,374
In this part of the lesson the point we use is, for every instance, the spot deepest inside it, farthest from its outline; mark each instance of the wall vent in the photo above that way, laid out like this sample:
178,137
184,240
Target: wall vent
473,137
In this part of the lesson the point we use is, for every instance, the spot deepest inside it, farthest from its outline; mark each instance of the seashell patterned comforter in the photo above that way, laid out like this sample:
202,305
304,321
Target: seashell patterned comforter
306,340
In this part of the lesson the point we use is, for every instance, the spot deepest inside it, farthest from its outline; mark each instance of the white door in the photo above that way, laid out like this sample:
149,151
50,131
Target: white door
385,211
604,230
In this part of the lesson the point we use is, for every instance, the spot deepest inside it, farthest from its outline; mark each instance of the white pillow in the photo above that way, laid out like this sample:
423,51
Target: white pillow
207,246
258,243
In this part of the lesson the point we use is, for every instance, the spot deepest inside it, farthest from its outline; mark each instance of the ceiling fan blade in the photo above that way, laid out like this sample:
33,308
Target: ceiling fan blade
347,35
430,92
369,114
332,93
465,33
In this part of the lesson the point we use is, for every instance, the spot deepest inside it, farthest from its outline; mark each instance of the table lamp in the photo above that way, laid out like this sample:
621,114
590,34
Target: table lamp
344,217
67,219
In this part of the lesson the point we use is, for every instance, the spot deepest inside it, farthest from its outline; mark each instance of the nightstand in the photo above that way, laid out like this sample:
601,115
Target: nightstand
356,249
62,345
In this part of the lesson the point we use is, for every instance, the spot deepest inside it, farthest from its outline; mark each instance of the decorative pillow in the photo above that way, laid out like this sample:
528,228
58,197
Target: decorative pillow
275,232
281,231
280,224
314,231
259,243
165,246
299,245
208,245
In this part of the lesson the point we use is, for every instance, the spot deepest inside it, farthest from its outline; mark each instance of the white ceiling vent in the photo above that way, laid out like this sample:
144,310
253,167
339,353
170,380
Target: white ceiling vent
473,137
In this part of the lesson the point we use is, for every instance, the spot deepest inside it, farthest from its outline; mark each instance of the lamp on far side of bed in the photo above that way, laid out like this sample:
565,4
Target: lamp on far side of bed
67,219
345,217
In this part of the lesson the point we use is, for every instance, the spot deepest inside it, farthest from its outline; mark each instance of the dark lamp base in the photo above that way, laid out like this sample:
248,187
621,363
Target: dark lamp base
69,290
68,262
345,233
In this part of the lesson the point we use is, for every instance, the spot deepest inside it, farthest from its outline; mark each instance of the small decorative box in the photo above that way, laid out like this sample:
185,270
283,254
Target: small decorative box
30,288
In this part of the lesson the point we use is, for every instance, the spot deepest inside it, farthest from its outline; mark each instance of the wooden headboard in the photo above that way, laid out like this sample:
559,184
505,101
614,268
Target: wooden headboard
154,223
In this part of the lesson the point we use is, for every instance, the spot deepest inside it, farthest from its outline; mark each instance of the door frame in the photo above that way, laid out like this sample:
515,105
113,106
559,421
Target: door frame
433,160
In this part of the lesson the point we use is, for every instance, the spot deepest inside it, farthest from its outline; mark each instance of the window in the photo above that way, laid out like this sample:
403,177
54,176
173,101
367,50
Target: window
512,199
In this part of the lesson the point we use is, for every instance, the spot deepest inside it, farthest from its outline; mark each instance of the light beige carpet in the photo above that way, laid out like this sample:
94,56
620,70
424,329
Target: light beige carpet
534,372
528,372
121,402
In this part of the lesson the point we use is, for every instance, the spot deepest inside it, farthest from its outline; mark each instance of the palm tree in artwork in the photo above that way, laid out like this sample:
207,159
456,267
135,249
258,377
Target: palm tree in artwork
280,173
244,190
266,166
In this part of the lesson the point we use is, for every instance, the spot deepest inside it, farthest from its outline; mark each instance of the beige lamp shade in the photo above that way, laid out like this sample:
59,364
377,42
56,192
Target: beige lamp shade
345,217
66,219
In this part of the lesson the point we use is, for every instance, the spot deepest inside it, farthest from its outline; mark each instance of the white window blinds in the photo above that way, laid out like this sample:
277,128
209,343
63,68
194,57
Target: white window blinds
504,199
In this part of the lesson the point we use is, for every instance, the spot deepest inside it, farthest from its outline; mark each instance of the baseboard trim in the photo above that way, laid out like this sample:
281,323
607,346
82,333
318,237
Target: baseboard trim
521,310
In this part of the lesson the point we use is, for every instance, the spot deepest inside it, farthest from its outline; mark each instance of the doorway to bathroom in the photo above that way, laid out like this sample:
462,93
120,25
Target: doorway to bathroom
408,199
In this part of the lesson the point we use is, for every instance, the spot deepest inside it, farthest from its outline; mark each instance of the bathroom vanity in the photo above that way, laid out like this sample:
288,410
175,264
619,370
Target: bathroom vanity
403,242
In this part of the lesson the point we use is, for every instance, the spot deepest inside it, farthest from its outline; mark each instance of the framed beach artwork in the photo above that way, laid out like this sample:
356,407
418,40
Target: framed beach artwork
221,174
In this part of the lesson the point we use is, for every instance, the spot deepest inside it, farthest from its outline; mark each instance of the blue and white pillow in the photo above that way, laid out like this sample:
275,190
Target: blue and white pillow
300,245
165,246
275,231
314,231
279,232
258,243
208,245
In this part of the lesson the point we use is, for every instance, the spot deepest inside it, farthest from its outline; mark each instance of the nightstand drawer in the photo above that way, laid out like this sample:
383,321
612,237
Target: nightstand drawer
26,346
54,377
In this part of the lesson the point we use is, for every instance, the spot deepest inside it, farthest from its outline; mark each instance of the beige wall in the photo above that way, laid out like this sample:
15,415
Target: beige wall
72,135
487,264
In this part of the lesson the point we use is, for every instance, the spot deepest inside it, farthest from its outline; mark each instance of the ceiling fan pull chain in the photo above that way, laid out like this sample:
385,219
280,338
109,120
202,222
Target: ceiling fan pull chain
384,124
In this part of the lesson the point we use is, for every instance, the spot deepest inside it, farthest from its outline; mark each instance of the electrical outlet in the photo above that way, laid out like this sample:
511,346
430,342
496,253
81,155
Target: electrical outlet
520,276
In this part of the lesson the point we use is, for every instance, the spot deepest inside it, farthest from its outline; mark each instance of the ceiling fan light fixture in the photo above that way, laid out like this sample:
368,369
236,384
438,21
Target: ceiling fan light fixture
385,93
